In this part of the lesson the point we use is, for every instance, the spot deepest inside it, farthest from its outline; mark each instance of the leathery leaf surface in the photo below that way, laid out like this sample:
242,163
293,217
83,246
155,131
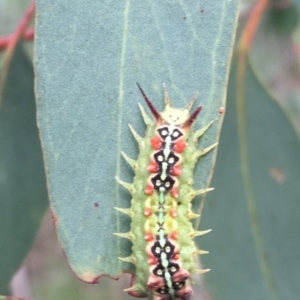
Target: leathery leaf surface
23,193
273,153
89,55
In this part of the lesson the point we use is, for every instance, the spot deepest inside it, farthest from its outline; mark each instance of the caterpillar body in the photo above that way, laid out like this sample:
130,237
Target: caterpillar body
163,250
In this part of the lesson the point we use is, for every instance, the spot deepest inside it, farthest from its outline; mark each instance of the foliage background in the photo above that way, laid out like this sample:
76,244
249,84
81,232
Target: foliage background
255,244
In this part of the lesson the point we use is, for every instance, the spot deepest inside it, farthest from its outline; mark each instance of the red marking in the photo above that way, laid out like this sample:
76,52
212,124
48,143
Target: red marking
174,235
179,146
155,283
181,275
5,41
152,260
176,256
95,279
184,293
173,212
189,122
156,143
96,204
54,218
89,277
148,237
278,174
149,189
147,212
174,192
176,171
29,34
221,110
153,167
11,41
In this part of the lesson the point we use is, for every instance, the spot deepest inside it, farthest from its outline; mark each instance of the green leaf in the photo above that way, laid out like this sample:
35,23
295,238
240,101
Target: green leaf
23,191
89,57
273,150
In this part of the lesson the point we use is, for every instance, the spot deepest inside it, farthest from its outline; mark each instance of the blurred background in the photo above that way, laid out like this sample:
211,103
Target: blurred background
254,210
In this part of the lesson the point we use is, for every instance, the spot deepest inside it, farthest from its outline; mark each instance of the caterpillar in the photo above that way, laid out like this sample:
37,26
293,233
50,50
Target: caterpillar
161,233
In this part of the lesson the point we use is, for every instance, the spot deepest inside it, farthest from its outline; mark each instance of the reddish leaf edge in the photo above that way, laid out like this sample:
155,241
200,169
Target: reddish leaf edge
87,278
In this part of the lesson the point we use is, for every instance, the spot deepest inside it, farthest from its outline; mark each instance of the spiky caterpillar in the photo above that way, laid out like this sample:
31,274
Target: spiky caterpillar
161,231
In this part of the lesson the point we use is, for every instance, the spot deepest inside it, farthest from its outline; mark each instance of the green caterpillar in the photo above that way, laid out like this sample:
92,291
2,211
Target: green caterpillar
162,235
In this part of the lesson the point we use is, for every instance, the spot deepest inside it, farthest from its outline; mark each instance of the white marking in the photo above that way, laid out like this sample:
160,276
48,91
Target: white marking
169,281
173,269
164,260
175,133
171,160
164,133
164,167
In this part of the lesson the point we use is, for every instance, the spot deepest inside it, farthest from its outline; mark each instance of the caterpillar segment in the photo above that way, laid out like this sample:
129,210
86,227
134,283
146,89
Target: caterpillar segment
162,191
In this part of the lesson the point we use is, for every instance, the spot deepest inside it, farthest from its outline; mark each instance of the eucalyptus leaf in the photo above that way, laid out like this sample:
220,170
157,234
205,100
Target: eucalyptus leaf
274,159
89,56
23,191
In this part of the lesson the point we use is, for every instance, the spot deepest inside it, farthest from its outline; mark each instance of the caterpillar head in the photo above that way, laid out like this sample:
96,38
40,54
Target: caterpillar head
171,115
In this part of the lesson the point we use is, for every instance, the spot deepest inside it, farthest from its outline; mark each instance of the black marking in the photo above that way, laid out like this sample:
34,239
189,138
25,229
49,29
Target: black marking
176,134
178,285
161,206
163,132
163,290
158,183
169,249
160,226
171,160
159,270
156,249
180,277
173,268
